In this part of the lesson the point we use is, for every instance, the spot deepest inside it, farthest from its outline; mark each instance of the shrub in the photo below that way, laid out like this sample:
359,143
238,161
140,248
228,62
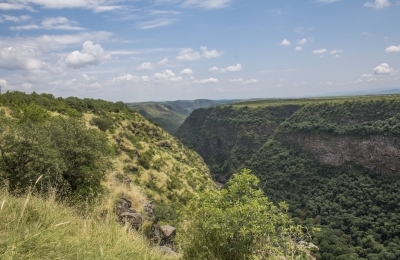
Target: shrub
239,222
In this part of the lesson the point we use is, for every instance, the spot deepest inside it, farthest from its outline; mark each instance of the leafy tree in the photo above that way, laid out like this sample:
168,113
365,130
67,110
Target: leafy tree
239,222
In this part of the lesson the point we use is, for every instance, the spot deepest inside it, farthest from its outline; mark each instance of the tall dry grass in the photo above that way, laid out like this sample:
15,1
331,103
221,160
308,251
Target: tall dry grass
41,228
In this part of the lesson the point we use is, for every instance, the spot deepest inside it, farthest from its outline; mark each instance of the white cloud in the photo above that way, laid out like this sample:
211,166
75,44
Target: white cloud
126,79
378,4
188,54
167,75
232,68
337,56
91,54
145,66
237,67
320,51
335,52
107,8
298,48
19,58
74,84
14,6
210,54
155,23
186,72
383,69
95,5
3,85
392,49
240,80
16,19
163,61
328,83
207,4
88,78
206,81
56,23
285,43
366,75
302,41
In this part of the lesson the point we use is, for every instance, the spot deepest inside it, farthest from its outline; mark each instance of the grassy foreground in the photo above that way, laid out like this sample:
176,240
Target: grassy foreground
37,228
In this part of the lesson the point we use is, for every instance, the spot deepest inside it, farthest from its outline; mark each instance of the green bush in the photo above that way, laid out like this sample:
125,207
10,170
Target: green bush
103,124
239,222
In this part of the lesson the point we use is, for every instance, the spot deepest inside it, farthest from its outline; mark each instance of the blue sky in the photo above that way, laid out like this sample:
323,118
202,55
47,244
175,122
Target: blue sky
134,50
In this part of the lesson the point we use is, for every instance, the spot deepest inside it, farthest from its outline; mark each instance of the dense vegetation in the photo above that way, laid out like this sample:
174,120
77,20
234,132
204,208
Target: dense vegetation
65,165
228,136
239,222
335,162
171,114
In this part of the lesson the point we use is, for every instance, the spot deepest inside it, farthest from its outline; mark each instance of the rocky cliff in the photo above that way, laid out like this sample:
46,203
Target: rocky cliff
336,162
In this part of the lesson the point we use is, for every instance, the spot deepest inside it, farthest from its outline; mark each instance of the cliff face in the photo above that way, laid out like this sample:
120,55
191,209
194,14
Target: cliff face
226,137
335,163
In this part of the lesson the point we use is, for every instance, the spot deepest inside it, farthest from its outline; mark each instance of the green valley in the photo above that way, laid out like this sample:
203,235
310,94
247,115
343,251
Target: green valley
333,160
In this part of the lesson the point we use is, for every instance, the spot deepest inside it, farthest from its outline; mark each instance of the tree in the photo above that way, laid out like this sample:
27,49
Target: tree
239,222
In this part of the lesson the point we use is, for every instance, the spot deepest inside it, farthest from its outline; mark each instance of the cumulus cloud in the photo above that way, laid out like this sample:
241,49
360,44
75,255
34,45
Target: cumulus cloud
232,68
285,43
145,66
210,54
91,54
163,61
328,83
95,5
240,80
392,49
16,19
383,69
186,72
327,1
366,75
302,41
14,6
320,51
155,23
167,75
56,23
207,4
206,81
336,51
188,54
378,4
237,67
126,79
19,58
298,48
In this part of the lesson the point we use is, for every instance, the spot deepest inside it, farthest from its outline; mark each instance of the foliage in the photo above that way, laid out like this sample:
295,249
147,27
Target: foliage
68,155
103,124
239,222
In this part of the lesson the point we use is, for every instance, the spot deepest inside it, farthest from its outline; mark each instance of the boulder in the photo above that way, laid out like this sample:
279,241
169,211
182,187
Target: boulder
126,214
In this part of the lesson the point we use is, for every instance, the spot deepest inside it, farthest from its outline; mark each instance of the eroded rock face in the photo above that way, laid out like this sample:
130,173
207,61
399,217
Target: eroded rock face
126,214
163,235
378,153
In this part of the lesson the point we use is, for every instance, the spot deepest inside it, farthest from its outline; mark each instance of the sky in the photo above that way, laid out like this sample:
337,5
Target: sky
157,50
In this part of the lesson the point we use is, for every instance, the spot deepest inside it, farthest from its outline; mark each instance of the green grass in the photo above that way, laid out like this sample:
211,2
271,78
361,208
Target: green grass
309,101
38,228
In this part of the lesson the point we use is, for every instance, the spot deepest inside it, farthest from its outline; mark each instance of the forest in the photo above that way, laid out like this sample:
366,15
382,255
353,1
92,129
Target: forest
333,161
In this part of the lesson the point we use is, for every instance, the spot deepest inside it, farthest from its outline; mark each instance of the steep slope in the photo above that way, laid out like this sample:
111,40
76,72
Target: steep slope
335,162
147,164
227,136
171,114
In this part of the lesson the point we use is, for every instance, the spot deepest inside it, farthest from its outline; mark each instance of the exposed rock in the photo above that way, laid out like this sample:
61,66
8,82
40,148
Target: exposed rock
163,235
149,211
126,214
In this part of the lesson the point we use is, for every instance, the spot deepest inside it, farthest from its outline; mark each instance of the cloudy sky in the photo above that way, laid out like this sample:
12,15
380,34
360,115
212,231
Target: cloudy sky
140,50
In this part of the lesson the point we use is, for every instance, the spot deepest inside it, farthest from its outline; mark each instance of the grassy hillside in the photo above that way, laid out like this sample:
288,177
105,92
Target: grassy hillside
335,162
70,169
171,114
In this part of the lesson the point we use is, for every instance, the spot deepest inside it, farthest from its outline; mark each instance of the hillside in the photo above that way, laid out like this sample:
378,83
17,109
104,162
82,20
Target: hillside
85,178
171,114
334,161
